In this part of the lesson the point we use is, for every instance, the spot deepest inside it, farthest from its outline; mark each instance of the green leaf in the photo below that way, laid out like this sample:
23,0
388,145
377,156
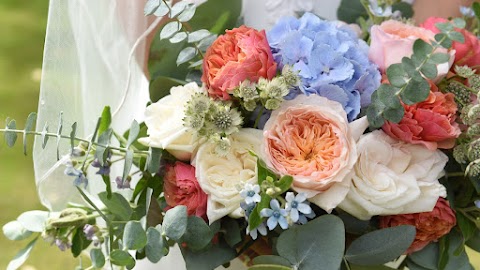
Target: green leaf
476,9
29,125
269,267
134,236
316,245
127,165
170,29
117,205
405,8
188,13
381,246
97,257
232,231
394,115
284,183
21,256
163,9
175,222
425,258
178,8
79,242
154,160
101,153
456,36
44,136
375,116
415,91
151,6
73,133
34,221
254,220
198,35
455,261
210,258
59,133
421,47
444,40
217,15
178,37
467,227
10,137
440,58
350,10
445,27
122,258
186,55
459,23
410,66
396,75
155,244
15,231
370,267
271,259
429,70
198,234
263,170
354,225
106,120
133,134
387,95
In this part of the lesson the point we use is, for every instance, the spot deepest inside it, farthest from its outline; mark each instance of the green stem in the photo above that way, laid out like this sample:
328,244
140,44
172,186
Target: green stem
255,125
346,263
85,197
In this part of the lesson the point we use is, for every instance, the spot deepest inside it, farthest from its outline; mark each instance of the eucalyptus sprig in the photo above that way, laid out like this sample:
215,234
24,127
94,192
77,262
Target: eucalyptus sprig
408,82
178,30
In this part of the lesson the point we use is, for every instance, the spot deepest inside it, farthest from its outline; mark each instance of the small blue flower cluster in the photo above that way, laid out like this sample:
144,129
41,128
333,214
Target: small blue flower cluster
331,60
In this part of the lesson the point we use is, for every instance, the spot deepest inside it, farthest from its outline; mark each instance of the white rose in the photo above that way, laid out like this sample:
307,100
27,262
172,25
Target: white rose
393,177
220,176
164,120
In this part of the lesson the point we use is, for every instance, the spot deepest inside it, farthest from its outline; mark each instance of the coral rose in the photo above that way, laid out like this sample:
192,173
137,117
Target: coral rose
430,226
431,122
393,40
466,53
181,188
310,139
241,54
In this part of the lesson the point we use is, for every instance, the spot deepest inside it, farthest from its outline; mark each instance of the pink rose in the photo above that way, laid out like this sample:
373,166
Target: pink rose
467,53
393,40
310,139
431,122
241,54
181,188
430,226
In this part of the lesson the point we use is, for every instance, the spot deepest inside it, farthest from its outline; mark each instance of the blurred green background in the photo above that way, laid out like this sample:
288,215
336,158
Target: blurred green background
22,28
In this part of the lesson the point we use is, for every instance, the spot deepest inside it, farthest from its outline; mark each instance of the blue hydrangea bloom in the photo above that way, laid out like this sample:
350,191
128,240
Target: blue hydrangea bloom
331,60
276,215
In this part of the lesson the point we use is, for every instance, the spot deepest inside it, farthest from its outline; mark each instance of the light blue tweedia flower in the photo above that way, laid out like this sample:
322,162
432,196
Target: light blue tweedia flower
467,12
250,193
378,10
276,215
78,174
477,203
247,208
262,229
331,60
297,206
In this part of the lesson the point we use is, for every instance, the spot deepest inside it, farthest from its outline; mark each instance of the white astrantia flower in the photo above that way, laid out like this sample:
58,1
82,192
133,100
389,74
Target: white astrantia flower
219,176
164,120
393,177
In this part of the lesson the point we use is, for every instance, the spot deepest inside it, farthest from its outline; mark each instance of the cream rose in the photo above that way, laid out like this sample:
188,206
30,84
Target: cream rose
310,139
393,177
164,120
220,176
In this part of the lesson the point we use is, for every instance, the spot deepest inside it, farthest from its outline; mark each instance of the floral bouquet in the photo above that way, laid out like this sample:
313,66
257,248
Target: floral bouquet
313,145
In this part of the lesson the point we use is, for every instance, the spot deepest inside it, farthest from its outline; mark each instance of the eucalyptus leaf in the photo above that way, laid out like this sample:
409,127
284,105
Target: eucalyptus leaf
106,120
316,245
387,95
440,58
34,221
29,125
133,134
271,259
394,115
127,165
188,13
422,48
370,267
198,35
396,75
170,29
405,8
44,136
209,259
198,234
178,37
206,42
425,258
232,231
445,27
134,236
122,258
175,222
59,133
186,55
117,205
429,70
474,241
73,133
178,8
10,136
467,227
269,267
97,257
381,246
154,162
151,6
444,40
459,23
415,91
456,36
374,116
21,256
15,231
350,10
155,244
162,10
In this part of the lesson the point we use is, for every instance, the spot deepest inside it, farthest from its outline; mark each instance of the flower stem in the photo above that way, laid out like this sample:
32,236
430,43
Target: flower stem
257,120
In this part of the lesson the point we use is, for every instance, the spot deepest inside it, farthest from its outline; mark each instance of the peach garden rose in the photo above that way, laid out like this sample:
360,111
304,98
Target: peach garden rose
241,54
310,139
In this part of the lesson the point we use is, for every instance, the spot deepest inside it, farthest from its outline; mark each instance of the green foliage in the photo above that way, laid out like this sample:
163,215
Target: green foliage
271,259
216,255
153,162
175,222
198,234
134,236
350,10
97,257
79,242
21,256
15,231
155,244
117,205
269,267
34,221
10,136
122,258
316,245
381,246
232,231
255,219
